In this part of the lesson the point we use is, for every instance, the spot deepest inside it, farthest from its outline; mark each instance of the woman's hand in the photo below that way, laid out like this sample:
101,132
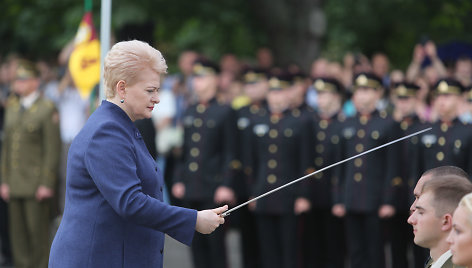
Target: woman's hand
209,220
338,210
5,192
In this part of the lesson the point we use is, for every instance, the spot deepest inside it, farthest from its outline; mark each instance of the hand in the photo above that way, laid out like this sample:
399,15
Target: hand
418,54
209,220
178,190
252,206
430,50
44,192
5,192
224,194
386,211
339,210
302,205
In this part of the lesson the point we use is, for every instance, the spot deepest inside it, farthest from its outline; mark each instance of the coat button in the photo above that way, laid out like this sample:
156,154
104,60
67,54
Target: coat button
160,189
155,168
162,251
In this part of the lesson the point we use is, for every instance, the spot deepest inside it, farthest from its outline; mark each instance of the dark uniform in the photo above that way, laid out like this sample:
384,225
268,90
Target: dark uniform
323,243
278,156
208,162
30,159
366,183
246,116
399,232
448,143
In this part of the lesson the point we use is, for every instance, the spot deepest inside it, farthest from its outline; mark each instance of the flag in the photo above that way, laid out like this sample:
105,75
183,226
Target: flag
84,61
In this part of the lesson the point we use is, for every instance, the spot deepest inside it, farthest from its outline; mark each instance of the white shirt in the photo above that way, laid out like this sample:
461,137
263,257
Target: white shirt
27,101
441,260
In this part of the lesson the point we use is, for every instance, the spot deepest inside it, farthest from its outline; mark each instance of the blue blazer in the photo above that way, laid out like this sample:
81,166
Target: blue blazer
114,215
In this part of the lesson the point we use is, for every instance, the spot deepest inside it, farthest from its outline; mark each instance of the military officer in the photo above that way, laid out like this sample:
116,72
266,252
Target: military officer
404,96
205,174
30,157
278,155
297,95
450,140
364,192
255,87
324,239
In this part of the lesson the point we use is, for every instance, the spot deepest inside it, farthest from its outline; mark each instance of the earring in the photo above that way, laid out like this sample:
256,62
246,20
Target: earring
122,101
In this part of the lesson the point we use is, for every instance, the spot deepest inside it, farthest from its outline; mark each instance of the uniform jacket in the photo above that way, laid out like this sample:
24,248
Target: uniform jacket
279,154
208,156
445,144
367,182
114,215
31,147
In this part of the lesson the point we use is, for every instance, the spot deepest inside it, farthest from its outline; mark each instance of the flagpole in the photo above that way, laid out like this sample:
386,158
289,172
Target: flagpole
105,25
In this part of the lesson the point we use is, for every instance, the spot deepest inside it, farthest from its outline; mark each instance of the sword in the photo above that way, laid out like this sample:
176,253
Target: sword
226,213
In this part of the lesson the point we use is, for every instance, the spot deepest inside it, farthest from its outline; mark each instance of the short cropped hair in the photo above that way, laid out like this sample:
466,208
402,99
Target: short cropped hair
447,192
466,202
126,60
446,170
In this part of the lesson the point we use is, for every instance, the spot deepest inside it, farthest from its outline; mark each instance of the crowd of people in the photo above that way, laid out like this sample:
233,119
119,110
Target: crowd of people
226,132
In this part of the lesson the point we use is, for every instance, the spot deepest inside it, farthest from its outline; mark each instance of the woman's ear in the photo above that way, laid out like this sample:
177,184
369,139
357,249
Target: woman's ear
120,89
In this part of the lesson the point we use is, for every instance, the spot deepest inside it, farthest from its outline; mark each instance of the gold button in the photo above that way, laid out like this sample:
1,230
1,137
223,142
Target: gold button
273,133
363,119
359,148
458,143
288,132
273,148
397,181
321,136
440,156
274,119
319,161
414,140
193,166
361,133
404,125
319,175
198,122
201,108
375,134
194,152
444,127
358,177
196,137
272,163
319,148
254,109
442,141
323,124
296,113
335,139
271,179
358,162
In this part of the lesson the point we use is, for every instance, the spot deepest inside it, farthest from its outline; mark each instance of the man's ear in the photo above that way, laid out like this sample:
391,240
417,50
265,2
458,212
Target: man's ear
446,224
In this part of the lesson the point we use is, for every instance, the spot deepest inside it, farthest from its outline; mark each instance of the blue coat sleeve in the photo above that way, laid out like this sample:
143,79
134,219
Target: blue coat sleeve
111,162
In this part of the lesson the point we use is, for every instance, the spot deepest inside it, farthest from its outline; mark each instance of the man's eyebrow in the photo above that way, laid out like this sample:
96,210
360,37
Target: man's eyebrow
420,207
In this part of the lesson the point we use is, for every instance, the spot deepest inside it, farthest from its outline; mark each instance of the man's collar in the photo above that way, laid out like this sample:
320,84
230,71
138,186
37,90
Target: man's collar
441,260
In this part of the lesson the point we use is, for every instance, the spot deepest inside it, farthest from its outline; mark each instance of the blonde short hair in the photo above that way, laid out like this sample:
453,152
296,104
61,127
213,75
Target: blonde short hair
126,60
466,202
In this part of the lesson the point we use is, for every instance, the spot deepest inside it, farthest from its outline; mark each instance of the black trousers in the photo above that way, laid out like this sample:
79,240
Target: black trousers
364,239
277,240
208,251
4,231
249,241
322,239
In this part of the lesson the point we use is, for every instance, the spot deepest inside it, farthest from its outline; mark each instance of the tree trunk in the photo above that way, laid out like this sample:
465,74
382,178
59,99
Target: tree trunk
295,29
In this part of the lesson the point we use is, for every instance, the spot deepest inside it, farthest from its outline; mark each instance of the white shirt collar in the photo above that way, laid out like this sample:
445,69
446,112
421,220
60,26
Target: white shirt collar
441,260
27,101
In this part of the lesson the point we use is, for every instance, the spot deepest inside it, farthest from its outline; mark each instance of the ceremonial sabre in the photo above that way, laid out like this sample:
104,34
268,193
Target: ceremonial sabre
226,213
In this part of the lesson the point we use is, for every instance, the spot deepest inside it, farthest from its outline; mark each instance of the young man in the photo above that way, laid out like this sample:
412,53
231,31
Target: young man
364,192
432,216
205,174
421,254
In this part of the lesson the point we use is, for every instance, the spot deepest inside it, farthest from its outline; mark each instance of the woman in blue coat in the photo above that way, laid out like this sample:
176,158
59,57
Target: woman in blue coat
114,215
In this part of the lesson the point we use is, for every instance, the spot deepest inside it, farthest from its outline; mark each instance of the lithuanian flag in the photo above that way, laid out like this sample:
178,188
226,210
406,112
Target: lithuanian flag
84,62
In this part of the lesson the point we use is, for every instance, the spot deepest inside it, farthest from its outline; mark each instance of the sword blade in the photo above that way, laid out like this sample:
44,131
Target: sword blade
226,213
